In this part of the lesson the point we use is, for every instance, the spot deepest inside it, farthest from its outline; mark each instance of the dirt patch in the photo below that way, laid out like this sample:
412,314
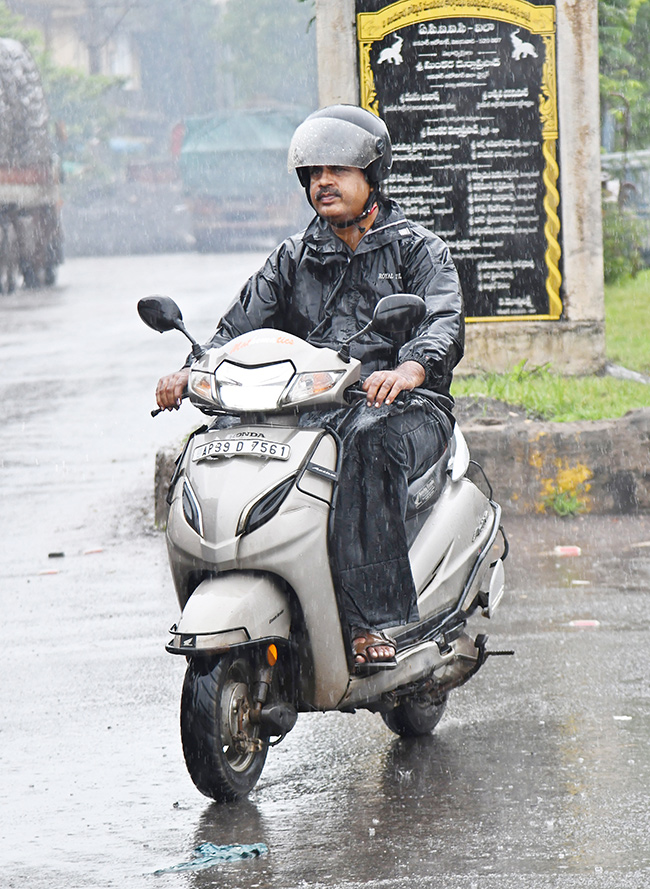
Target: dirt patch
477,411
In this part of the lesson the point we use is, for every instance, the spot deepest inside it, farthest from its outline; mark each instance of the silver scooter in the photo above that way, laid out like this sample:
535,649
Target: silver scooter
250,505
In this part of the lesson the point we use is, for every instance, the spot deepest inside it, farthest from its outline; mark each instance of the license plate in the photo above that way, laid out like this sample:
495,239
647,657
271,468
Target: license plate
248,447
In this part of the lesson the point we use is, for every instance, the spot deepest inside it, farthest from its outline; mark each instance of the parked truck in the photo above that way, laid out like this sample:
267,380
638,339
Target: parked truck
30,230
233,166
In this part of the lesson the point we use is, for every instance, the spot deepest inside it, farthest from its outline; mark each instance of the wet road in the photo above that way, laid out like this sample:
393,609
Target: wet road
537,777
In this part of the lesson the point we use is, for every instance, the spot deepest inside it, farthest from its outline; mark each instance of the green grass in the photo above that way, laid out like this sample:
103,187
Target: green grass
627,322
550,396
566,503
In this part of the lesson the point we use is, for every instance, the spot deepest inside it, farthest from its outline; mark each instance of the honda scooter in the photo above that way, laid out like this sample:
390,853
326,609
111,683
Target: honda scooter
250,510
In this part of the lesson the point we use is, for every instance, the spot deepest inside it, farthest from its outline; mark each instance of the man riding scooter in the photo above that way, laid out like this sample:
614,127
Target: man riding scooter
322,285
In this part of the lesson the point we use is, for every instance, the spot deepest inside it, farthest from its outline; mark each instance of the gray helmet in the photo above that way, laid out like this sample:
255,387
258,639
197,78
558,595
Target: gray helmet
344,136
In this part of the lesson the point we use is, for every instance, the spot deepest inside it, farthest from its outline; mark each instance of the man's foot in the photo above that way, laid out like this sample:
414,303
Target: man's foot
372,648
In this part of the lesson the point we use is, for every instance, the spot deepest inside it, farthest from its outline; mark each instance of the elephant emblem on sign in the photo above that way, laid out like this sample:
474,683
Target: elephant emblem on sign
522,50
392,54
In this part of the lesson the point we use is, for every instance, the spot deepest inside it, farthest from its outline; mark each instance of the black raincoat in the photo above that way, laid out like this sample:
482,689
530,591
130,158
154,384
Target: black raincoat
313,286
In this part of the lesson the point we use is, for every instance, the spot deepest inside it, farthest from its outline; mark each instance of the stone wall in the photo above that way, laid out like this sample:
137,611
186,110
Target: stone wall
597,467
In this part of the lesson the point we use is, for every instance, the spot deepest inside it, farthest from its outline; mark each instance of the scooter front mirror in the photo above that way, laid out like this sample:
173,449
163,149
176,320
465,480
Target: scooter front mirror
398,312
393,314
160,313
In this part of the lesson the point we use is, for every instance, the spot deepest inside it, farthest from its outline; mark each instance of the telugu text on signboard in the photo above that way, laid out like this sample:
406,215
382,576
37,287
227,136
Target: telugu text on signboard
469,95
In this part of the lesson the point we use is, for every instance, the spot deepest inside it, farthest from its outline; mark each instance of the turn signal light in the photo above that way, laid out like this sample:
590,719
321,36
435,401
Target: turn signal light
272,655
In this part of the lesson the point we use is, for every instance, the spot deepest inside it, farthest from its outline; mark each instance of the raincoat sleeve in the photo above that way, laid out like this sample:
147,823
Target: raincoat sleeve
438,344
262,300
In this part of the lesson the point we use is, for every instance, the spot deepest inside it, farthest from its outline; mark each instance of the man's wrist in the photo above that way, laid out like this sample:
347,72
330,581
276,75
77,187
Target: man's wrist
415,370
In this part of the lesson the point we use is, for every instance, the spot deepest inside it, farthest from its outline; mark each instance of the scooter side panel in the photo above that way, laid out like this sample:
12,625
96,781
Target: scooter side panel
448,546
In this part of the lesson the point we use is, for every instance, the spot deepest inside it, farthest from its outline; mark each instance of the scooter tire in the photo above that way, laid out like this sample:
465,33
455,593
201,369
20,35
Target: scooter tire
214,703
415,716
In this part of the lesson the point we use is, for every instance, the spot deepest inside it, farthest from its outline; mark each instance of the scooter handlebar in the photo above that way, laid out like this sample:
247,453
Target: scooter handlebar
160,410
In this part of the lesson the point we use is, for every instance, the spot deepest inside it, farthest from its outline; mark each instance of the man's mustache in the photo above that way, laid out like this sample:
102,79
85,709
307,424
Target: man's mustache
327,193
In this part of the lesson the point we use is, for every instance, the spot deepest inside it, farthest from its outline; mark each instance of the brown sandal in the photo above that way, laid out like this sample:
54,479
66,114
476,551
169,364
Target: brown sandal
362,641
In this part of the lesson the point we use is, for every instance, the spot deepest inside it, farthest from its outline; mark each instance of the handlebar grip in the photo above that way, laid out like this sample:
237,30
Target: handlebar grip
160,410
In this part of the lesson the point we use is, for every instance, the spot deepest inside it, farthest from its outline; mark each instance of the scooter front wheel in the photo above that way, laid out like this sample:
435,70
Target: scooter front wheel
223,751
417,715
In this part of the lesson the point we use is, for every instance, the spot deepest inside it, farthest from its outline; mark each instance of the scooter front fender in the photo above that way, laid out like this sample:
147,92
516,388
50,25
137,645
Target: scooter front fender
231,609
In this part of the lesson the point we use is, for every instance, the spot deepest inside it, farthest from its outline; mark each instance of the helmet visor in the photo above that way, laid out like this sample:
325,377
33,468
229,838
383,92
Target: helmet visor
331,142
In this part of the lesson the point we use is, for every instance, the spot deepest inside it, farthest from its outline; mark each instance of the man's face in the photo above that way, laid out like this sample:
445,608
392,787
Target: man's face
338,194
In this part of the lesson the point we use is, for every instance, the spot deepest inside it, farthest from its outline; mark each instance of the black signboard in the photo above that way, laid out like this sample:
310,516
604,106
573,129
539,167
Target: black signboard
468,90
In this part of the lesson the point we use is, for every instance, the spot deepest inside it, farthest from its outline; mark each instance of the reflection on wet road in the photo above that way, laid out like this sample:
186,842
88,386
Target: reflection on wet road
537,776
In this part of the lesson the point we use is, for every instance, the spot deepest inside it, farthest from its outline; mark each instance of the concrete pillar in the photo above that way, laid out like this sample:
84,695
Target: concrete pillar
336,43
575,344
579,108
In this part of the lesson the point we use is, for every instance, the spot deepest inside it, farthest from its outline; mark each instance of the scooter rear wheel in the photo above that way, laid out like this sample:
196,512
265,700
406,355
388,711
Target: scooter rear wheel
222,748
415,716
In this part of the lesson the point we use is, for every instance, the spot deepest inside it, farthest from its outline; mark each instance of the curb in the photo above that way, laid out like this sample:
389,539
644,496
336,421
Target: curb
600,467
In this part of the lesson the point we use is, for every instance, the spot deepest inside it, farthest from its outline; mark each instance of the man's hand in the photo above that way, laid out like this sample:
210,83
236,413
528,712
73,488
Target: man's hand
385,385
170,389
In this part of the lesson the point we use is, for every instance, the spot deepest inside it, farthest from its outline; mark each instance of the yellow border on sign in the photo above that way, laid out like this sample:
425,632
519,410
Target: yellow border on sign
374,26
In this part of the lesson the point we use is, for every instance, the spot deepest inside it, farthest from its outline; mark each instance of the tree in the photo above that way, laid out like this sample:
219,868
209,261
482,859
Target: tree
177,42
624,33
267,53
76,101
624,41
12,26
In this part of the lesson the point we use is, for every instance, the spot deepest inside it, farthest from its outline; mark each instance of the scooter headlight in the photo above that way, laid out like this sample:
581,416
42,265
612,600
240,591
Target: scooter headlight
200,383
241,388
308,385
